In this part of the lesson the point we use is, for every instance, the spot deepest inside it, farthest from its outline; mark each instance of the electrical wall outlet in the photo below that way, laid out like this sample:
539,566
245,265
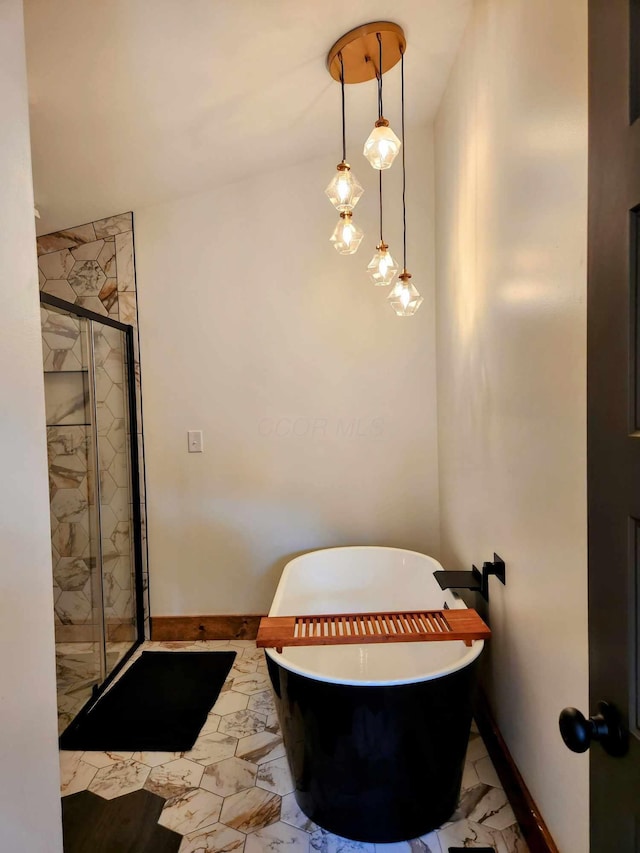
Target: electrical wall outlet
194,437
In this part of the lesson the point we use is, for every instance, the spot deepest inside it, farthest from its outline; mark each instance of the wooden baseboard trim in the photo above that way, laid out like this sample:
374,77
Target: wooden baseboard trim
533,827
224,627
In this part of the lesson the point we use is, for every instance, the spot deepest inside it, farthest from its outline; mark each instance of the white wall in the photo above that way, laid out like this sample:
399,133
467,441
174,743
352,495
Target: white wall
318,404
29,783
511,167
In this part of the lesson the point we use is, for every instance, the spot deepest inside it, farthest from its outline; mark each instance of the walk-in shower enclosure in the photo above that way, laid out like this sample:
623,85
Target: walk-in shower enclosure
95,501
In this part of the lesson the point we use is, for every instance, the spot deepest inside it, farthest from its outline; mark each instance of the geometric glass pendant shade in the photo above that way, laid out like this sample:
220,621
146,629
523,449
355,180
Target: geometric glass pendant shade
346,236
404,298
382,268
382,146
344,190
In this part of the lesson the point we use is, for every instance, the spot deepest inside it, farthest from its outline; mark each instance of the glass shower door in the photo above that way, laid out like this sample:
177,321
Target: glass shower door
74,524
93,498
113,427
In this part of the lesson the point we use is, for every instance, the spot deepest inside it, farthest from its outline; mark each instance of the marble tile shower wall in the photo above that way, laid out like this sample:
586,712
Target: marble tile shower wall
91,266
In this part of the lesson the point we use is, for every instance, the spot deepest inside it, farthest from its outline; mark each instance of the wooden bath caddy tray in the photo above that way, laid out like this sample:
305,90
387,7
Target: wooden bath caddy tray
276,632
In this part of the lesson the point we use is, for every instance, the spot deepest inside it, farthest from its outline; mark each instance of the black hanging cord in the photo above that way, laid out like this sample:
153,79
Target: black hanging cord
344,132
379,75
378,36
380,178
404,181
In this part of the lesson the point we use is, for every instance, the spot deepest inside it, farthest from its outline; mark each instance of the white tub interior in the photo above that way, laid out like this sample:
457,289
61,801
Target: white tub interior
366,579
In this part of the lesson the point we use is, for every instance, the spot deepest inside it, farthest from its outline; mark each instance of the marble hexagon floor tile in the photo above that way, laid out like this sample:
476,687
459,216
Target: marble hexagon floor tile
215,839
191,811
250,810
426,844
250,683
243,644
118,779
233,790
469,800
321,841
153,759
212,747
242,723
254,654
486,772
242,667
493,810
275,776
277,838
262,702
175,778
230,701
513,840
292,814
470,776
260,748
465,833
75,774
229,777
210,725
104,759
476,749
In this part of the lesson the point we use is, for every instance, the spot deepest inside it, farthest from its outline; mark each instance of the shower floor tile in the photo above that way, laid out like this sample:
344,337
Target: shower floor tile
77,671
242,800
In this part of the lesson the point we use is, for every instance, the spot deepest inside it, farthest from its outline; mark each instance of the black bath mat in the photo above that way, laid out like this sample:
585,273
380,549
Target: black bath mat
159,704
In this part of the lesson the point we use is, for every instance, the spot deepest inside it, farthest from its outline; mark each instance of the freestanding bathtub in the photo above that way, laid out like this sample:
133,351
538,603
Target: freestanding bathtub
375,734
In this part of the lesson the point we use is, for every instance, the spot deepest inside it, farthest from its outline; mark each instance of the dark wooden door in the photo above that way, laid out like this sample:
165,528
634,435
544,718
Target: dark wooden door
614,413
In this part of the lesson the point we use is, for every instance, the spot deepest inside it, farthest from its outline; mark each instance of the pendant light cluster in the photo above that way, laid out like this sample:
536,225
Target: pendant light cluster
351,61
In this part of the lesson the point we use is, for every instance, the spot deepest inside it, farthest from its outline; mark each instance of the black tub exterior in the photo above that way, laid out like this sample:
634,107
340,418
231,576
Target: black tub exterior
377,764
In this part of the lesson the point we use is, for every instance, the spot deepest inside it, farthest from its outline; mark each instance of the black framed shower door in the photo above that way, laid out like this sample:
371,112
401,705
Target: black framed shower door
94,472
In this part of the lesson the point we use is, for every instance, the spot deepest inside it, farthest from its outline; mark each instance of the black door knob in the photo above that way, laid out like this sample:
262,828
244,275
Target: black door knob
605,727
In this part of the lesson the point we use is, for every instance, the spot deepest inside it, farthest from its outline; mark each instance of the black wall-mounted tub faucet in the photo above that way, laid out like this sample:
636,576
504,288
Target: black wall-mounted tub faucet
475,580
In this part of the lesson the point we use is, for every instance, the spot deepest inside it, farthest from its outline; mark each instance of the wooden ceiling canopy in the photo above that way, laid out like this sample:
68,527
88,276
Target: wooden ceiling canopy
360,51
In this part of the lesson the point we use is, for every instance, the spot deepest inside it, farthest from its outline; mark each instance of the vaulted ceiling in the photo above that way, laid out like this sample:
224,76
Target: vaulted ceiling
134,102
